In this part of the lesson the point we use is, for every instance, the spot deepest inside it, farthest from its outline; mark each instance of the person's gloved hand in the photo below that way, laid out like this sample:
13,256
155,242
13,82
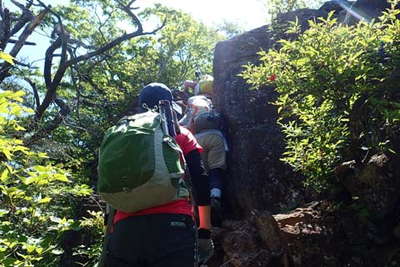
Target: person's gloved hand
205,245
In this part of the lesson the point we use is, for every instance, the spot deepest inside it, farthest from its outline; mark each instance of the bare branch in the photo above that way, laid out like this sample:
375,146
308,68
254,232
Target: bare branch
77,87
51,85
13,41
1,9
49,60
43,5
21,64
5,67
35,91
29,3
27,32
5,29
21,6
62,41
130,3
111,44
64,108
103,22
80,44
21,22
62,66
26,16
133,16
63,38
51,126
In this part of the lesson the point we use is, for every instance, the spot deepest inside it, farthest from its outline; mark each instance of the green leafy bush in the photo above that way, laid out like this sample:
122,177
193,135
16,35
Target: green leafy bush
337,89
34,195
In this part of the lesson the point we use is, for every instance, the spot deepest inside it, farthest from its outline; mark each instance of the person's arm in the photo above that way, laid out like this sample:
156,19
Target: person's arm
200,187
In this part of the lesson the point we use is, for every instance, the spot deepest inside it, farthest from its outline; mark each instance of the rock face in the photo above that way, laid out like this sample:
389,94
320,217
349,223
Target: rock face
375,183
307,238
373,5
256,241
364,9
256,178
319,234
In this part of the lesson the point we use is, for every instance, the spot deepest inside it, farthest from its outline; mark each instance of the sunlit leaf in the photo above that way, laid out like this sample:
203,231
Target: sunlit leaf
6,57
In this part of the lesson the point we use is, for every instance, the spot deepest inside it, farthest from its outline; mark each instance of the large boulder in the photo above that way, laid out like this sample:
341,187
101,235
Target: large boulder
257,178
321,234
255,241
307,236
362,10
376,183
372,5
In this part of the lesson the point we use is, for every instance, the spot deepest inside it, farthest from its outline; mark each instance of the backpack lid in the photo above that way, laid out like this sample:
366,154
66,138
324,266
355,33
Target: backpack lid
200,102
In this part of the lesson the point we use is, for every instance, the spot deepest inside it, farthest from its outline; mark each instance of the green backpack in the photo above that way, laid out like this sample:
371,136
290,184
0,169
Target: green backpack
139,165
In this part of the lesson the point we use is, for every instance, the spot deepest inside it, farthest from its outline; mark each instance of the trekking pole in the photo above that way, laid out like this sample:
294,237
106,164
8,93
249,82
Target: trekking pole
167,118
110,212
198,75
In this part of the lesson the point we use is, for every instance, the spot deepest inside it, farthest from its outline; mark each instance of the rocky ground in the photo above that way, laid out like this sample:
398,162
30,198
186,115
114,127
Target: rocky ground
318,234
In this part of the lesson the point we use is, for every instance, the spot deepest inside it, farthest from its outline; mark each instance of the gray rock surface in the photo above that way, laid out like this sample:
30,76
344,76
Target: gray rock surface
257,179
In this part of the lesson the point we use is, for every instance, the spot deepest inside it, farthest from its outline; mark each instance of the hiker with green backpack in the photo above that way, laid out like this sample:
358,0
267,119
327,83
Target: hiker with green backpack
141,176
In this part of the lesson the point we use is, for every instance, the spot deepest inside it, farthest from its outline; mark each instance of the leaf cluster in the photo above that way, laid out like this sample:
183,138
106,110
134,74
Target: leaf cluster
337,87
35,194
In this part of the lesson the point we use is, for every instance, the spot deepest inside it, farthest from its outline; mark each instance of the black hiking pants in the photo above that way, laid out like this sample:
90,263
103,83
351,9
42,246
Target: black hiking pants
155,240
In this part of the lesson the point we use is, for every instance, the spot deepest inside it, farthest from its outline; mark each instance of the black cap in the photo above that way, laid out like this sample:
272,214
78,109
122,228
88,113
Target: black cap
152,93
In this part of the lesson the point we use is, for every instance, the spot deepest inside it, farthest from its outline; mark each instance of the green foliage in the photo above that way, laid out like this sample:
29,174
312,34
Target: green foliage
276,7
44,182
101,89
230,28
6,57
34,195
92,226
337,93
183,46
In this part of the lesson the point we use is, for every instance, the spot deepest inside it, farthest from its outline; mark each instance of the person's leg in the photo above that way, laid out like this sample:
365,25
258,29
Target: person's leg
128,242
177,243
156,240
216,188
216,158
216,182
112,261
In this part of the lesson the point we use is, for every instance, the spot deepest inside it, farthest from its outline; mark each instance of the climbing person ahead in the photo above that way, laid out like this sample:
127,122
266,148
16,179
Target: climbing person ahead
165,235
207,130
206,124
204,86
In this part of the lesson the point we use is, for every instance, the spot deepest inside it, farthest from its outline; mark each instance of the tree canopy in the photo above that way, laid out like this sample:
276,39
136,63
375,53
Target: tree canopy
52,120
